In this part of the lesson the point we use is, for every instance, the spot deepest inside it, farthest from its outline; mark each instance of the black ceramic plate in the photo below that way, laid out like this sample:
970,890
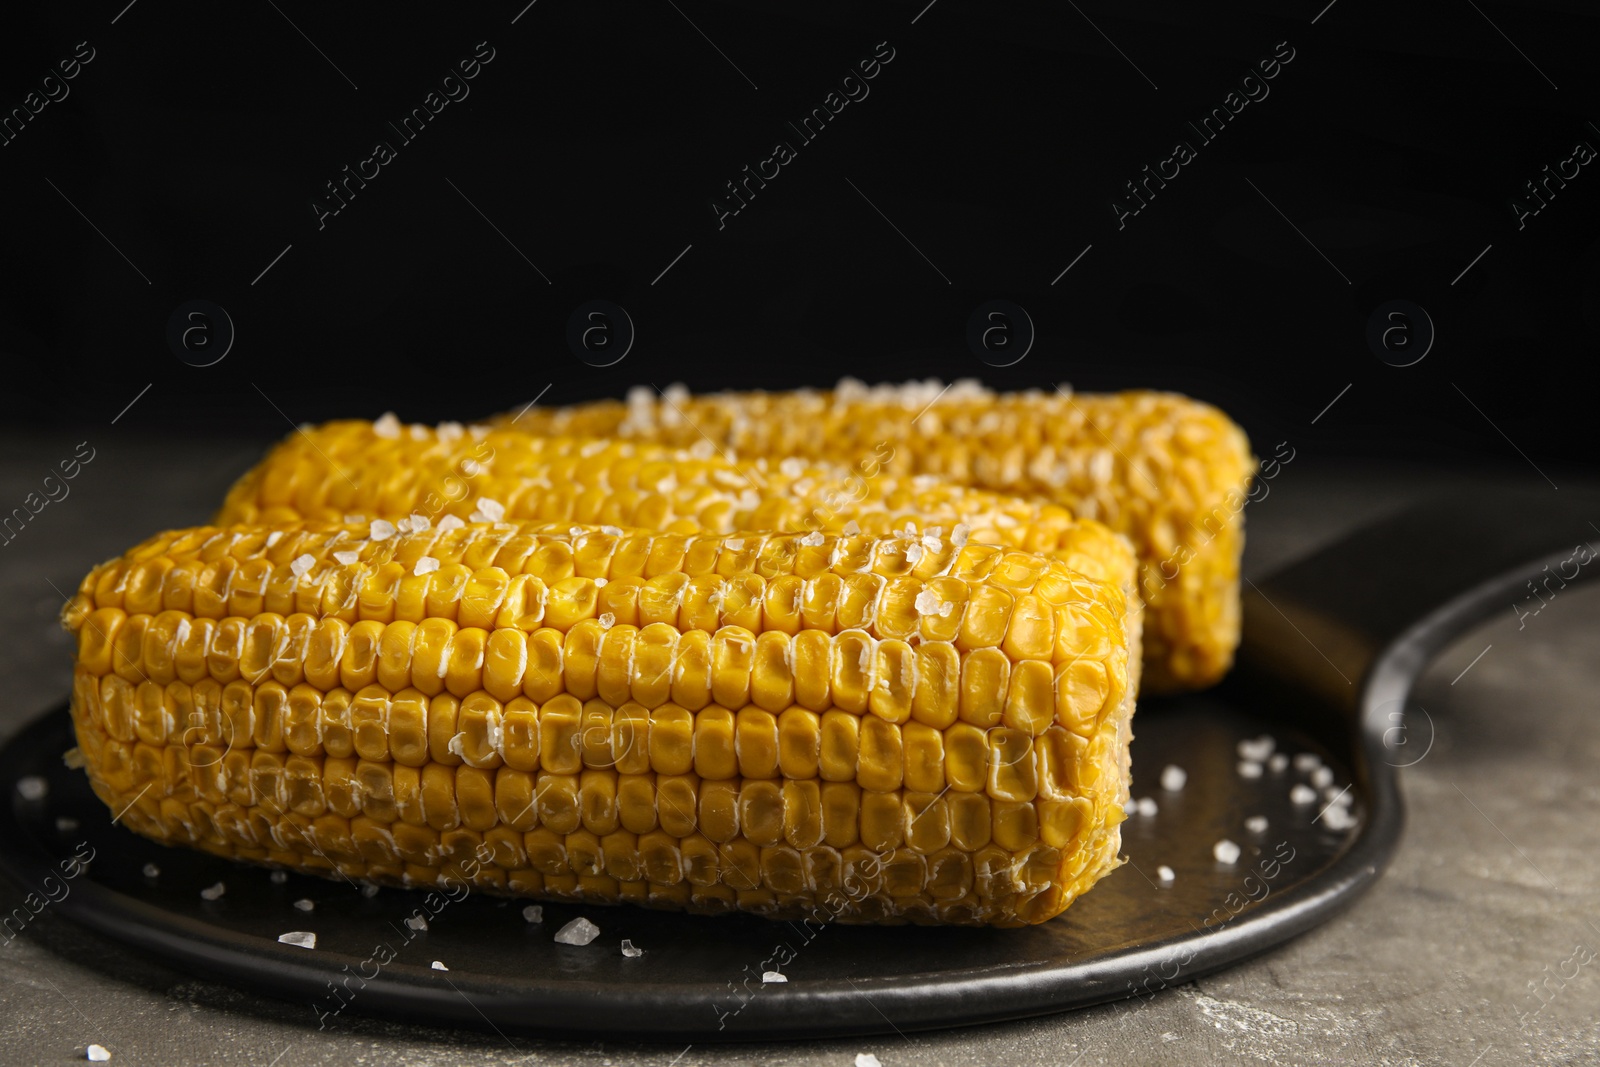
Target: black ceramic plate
1331,648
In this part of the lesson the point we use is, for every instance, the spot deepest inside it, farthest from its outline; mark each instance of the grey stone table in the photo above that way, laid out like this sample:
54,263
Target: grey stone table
1493,889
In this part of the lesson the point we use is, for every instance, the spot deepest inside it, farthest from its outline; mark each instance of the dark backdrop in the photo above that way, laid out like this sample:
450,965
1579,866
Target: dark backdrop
184,158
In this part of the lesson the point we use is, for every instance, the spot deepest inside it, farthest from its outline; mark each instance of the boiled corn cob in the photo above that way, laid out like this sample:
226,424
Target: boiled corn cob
828,727
421,474
1169,472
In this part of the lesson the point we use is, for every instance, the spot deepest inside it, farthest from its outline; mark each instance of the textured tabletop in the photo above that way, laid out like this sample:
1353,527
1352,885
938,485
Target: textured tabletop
1478,947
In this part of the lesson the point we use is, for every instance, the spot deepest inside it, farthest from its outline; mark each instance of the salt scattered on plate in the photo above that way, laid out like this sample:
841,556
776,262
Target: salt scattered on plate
152,871
1278,763
867,1059
1306,762
418,923
1225,851
1302,794
773,976
305,905
32,787
630,950
1257,750
1249,769
1256,824
299,938
369,890
97,1054
1322,777
213,892
1165,873
279,877
1146,806
579,931
534,913
1173,777
66,823
439,966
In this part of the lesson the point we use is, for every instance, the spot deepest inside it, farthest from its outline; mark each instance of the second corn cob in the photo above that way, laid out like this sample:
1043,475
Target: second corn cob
1169,472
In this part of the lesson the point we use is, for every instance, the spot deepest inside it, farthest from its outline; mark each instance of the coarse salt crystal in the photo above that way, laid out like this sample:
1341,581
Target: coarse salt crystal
451,522
773,976
1306,762
302,564
958,536
305,905
1257,750
1278,763
278,877
457,744
928,602
852,528
299,938
867,1059
1147,806
66,823
914,553
630,950
419,522
73,759
274,537
613,531
438,966
380,530
417,923
1166,874
1336,796
1173,777
152,871
213,892
387,425
1256,824
347,558
1302,794
579,931
734,544
97,1054
1339,818
1225,851
425,565
607,620
533,913
449,431
419,432
1249,769
793,467
600,583
471,467
1131,806
491,508
812,539
1322,777
369,890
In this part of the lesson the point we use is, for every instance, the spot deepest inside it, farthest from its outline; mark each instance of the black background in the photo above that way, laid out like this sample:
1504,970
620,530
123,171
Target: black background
995,141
